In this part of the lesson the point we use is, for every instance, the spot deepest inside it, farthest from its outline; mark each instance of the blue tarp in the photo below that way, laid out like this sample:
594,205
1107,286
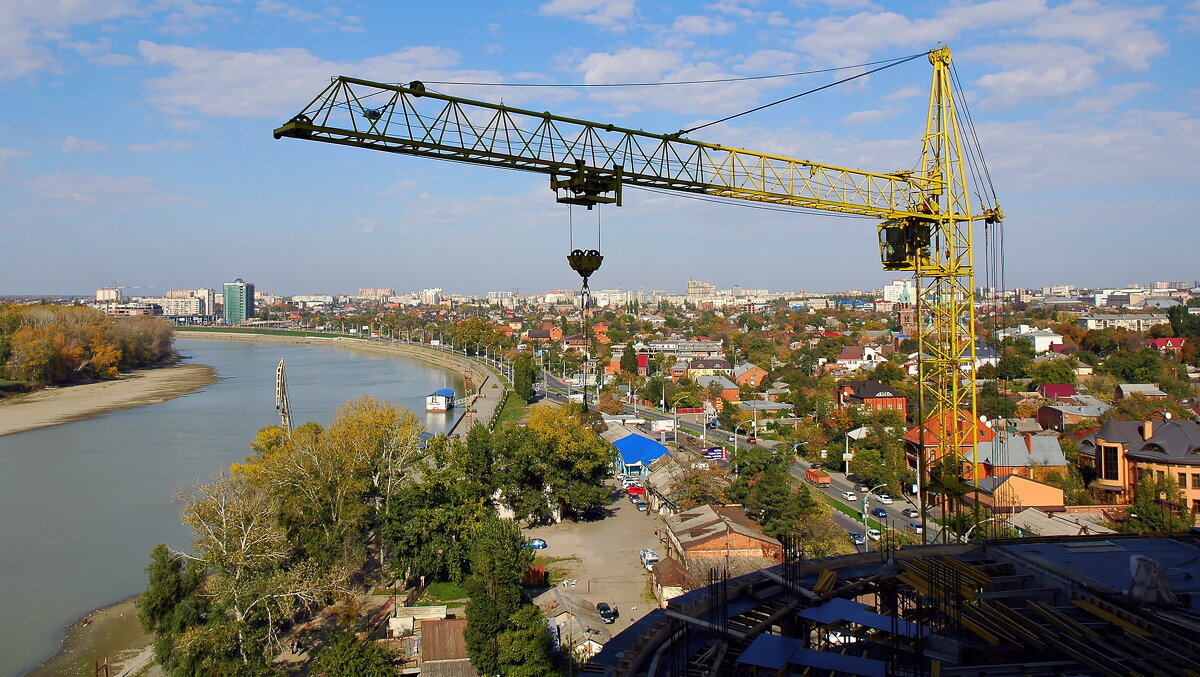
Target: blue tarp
838,609
637,449
444,392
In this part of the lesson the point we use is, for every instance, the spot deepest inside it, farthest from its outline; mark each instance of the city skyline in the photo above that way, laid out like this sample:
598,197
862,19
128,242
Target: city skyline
138,136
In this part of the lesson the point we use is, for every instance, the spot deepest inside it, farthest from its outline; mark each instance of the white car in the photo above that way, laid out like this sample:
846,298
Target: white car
873,534
732,438
849,495
884,499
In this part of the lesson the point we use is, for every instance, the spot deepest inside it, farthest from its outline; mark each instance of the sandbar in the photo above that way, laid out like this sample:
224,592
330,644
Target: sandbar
64,404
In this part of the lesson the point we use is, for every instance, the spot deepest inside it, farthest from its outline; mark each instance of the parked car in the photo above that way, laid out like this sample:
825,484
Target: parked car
732,438
649,558
635,490
857,538
884,499
642,507
914,527
633,498
862,487
608,613
879,513
873,534
910,512
536,544
849,495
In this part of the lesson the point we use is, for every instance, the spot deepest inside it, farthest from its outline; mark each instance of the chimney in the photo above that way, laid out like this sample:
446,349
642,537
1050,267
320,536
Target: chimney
1147,430
1028,442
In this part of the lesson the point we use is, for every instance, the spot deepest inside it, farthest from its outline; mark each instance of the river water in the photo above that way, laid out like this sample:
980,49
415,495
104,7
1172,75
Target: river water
82,504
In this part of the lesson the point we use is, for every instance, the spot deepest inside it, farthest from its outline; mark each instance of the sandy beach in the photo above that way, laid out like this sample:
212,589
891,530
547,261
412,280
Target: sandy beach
113,631
64,404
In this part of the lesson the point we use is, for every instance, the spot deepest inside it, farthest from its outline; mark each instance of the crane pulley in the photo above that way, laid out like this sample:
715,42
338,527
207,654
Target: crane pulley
926,214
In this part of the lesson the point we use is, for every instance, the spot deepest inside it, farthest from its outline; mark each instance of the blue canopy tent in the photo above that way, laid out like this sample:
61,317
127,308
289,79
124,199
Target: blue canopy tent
637,453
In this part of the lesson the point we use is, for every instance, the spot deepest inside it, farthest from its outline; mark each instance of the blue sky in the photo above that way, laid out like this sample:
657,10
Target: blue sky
136,148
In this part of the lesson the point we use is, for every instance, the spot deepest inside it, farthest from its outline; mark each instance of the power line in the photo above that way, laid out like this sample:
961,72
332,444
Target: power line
673,82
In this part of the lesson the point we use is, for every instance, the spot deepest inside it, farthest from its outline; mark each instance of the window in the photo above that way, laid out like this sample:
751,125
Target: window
1161,475
1108,466
1196,480
1196,505
1183,480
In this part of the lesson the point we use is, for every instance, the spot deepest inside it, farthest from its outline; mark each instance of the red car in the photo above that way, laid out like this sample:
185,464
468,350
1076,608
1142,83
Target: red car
635,490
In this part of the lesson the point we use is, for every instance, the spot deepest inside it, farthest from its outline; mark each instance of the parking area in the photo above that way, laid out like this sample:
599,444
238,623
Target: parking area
606,567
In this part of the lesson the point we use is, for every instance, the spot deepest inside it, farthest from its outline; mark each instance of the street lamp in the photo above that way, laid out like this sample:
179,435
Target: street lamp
866,540
675,411
735,439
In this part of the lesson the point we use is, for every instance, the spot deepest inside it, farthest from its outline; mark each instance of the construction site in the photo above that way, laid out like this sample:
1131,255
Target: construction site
1103,605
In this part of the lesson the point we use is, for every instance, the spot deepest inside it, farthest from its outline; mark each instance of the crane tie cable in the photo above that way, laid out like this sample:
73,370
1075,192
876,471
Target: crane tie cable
797,96
673,82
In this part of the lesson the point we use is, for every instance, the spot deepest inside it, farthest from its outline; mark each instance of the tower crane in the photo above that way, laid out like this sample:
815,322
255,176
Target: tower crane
926,215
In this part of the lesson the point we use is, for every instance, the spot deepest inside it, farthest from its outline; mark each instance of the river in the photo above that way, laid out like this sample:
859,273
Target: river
83,503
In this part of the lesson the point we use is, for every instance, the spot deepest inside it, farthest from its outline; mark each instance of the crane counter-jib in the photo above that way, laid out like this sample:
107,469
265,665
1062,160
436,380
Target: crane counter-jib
414,121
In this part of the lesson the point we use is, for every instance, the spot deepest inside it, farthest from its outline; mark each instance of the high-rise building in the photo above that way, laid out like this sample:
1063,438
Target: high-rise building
698,289
108,295
239,301
900,291
431,297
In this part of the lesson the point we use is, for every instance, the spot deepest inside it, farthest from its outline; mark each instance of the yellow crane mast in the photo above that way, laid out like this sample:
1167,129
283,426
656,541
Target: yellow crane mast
926,214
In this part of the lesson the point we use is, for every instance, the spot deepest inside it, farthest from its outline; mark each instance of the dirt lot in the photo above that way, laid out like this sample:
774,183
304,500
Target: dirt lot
606,567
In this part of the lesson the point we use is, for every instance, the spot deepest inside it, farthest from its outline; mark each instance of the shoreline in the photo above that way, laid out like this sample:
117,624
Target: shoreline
67,404
112,631
471,369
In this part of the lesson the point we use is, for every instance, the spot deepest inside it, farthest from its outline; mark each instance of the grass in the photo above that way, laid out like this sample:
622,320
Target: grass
514,409
443,592
847,510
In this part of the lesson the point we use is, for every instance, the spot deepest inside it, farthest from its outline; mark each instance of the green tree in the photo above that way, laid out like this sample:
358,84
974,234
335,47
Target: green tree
1158,507
524,375
888,372
525,647
499,560
1142,366
348,656
994,404
629,362
1051,372
171,603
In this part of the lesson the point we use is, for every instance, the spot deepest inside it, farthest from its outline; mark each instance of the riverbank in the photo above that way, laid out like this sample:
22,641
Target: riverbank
64,404
113,631
481,378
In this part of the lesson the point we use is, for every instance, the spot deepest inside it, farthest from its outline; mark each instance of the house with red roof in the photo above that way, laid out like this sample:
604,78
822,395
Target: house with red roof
1059,392
956,428
1167,346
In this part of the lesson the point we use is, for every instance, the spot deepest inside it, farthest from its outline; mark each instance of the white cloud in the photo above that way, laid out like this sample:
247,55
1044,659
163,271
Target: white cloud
73,144
853,39
28,26
701,25
767,61
67,189
7,154
1154,147
290,12
906,93
609,14
1116,32
186,17
164,144
1041,72
1108,99
870,117
641,64
273,82
361,226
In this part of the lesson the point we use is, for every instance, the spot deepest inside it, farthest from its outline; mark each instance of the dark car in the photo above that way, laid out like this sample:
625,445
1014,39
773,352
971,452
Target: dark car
910,512
608,613
879,513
